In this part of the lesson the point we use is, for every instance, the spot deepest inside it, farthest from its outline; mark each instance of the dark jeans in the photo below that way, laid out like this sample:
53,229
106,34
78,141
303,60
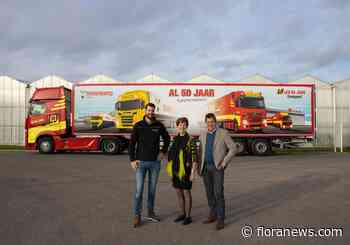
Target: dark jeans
152,168
214,186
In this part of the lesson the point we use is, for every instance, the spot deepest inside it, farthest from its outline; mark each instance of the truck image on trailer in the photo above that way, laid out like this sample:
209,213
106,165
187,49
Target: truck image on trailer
101,120
240,111
281,120
98,117
130,108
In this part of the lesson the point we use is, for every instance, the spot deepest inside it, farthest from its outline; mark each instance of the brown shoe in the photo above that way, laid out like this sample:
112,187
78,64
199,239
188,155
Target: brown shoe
152,216
211,218
220,225
137,221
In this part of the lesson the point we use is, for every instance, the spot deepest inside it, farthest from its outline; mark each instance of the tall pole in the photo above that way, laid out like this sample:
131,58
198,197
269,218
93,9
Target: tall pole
341,128
334,119
341,136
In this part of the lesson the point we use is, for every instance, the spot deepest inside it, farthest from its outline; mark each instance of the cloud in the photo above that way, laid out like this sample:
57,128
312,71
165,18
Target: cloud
180,39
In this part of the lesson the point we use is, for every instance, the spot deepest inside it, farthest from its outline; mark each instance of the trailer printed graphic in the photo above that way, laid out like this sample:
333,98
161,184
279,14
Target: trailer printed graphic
240,109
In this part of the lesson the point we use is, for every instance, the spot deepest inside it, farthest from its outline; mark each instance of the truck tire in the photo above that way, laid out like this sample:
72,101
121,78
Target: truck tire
261,147
241,147
110,146
45,145
250,148
124,144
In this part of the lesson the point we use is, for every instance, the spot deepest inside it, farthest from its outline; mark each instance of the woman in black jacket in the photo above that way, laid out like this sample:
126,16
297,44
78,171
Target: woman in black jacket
181,167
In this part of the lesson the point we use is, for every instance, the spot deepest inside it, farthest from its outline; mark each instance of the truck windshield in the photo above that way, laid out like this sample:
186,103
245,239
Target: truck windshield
37,108
252,102
129,105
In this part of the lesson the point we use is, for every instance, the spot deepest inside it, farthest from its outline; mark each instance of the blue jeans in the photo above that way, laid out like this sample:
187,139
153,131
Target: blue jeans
152,168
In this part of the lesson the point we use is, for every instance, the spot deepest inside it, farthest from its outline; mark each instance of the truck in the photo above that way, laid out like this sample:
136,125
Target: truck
92,117
281,120
101,120
130,108
240,111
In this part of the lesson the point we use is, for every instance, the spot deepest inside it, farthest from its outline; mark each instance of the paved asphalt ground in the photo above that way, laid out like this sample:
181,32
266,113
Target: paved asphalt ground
87,198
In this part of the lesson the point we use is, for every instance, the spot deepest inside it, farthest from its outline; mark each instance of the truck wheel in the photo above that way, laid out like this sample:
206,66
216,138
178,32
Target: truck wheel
124,144
241,147
250,148
261,147
121,149
45,145
110,146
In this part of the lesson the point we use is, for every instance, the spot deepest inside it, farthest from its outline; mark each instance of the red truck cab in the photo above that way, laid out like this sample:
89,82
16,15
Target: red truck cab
49,126
281,120
241,111
48,117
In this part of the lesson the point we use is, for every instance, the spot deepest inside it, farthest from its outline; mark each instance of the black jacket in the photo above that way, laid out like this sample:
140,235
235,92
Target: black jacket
145,141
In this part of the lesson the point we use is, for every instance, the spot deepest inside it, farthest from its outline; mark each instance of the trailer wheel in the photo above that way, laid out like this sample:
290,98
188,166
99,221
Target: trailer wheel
241,147
261,147
124,144
250,148
45,145
110,146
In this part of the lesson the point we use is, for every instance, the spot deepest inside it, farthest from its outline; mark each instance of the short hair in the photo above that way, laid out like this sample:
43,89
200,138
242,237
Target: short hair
182,120
210,115
150,105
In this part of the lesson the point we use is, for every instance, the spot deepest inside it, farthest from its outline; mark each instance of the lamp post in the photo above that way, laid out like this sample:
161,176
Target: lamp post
334,118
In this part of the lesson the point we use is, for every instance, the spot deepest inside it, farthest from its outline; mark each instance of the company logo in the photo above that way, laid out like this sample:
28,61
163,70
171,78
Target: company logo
88,94
291,93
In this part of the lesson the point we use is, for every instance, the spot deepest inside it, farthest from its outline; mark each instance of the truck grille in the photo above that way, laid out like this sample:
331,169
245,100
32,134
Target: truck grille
256,117
127,121
95,118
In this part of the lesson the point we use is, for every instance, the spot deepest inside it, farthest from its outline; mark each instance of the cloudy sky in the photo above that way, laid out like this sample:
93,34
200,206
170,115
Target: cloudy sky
177,40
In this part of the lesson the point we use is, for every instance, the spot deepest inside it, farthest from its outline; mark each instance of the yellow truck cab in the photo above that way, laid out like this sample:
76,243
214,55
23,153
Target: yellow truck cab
130,107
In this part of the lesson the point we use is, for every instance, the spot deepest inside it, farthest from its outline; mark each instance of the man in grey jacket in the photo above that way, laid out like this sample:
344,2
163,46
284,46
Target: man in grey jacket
217,150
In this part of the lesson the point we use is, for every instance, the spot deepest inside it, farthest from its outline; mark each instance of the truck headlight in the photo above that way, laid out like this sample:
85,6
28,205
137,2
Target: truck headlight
264,122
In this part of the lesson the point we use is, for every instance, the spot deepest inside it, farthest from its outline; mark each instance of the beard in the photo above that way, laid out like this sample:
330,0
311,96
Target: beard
151,117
